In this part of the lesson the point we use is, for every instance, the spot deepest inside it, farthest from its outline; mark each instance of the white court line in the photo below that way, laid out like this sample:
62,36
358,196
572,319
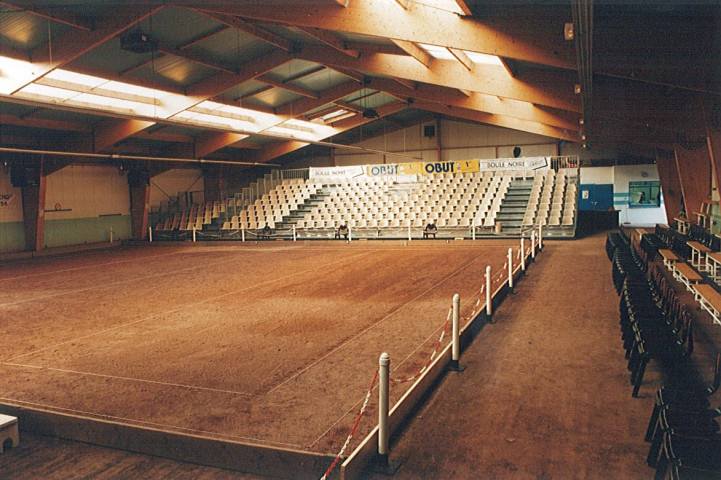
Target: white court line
188,305
396,367
129,379
63,270
362,332
131,421
120,282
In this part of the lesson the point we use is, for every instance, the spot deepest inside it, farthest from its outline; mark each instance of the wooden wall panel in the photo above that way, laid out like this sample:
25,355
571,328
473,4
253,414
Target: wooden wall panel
670,185
694,171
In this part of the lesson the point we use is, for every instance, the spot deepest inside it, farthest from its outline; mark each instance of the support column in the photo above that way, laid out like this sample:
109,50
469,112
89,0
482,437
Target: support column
139,206
33,197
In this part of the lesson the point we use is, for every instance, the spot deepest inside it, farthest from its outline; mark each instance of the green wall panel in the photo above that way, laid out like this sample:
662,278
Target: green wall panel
12,237
79,231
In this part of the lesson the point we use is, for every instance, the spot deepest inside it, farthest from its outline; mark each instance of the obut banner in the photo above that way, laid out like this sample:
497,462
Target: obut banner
421,168
530,163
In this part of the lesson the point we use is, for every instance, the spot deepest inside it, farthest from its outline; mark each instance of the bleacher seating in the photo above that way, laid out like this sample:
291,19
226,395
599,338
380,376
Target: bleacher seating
457,204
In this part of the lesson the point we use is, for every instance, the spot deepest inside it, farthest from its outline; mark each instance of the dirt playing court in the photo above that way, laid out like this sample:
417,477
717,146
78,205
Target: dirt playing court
274,343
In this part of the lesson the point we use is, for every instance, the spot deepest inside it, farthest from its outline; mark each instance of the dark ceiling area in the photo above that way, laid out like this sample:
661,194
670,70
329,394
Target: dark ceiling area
270,81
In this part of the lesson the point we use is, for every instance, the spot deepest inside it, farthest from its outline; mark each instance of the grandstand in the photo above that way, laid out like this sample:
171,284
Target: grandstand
465,205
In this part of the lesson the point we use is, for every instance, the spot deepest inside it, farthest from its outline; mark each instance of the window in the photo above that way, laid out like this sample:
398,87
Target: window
644,194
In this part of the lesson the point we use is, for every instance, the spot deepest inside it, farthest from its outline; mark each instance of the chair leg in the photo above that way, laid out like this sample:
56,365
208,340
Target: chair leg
639,375
655,449
652,422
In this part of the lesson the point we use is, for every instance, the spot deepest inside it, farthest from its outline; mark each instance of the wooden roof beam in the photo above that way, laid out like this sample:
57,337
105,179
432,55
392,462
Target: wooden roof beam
537,42
32,122
500,120
216,141
464,8
414,51
330,40
249,28
287,86
350,74
56,14
301,106
406,83
203,36
274,151
462,57
194,58
481,102
543,87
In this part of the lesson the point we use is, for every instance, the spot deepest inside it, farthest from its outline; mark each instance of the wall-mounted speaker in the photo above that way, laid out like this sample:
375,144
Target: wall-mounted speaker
429,131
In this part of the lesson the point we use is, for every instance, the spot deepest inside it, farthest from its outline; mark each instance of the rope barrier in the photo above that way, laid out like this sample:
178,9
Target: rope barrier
353,430
476,308
433,354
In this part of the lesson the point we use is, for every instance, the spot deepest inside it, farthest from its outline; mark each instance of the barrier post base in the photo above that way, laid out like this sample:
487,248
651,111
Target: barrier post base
383,466
454,366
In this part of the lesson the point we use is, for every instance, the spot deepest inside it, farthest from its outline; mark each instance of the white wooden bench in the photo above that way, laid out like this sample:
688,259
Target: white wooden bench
669,257
684,273
710,300
8,432
698,255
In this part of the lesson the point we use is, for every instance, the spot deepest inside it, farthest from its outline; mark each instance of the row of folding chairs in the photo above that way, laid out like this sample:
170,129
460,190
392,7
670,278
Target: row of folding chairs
683,428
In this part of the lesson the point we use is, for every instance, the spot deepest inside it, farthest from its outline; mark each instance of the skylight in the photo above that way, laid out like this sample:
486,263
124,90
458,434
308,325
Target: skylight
484,58
443,53
26,80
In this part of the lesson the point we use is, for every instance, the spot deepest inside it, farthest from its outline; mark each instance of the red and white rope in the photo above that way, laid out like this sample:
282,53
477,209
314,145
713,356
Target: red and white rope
433,354
352,432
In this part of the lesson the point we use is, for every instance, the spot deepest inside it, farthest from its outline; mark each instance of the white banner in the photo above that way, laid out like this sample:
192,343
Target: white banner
325,173
529,163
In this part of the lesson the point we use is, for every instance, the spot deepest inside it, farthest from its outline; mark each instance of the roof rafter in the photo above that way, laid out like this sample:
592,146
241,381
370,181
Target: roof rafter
426,25
414,51
295,109
275,151
462,57
55,14
499,120
482,103
248,27
75,43
287,86
549,88
330,40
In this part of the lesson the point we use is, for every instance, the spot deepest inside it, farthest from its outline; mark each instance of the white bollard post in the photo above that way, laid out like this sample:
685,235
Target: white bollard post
150,234
193,234
350,233
295,238
111,236
473,229
409,232
489,309
533,245
384,363
456,346
523,254
510,269
540,237
242,234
